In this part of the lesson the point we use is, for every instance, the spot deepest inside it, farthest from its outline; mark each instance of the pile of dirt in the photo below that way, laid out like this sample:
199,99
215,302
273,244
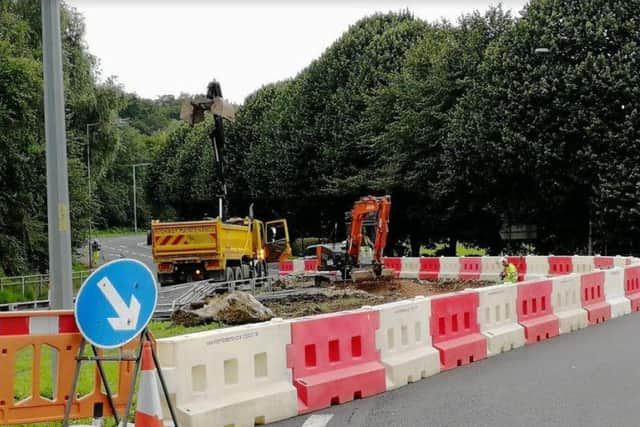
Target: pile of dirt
351,296
236,308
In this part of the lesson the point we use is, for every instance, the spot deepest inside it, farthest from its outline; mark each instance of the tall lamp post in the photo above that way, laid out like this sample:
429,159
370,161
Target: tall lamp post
89,251
59,228
135,204
118,122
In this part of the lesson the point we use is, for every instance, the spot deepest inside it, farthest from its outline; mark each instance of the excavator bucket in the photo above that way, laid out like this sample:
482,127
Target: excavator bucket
191,113
362,275
224,109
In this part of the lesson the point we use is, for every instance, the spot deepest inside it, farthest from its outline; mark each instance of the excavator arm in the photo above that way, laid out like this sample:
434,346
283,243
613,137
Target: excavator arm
381,206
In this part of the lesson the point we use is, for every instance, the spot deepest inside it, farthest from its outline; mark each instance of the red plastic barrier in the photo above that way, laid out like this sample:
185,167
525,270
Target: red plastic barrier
593,299
429,268
559,265
520,263
603,261
334,359
632,286
311,264
534,311
394,263
455,329
470,268
285,267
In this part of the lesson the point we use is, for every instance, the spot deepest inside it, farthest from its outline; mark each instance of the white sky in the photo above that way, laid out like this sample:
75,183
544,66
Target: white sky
169,47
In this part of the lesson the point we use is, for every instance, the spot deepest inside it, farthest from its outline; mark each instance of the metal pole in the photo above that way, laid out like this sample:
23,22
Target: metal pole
89,187
59,230
135,210
135,203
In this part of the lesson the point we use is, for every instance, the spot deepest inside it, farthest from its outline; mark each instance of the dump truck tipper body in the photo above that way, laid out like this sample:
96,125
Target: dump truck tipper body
212,249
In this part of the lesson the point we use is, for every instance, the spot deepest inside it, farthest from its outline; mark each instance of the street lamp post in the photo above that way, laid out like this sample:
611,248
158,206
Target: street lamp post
59,228
89,125
135,205
118,122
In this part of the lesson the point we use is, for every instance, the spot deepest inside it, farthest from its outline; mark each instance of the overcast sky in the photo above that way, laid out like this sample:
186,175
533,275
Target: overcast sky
169,47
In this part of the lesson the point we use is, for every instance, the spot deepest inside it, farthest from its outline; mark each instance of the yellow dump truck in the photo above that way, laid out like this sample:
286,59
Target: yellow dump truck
236,249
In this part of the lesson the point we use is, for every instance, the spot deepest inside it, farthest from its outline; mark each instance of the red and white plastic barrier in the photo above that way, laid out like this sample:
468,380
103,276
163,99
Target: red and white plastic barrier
264,372
498,318
486,268
534,311
22,323
565,301
404,342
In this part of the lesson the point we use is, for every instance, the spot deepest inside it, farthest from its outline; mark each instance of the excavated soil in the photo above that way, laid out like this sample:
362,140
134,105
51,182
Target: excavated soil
339,297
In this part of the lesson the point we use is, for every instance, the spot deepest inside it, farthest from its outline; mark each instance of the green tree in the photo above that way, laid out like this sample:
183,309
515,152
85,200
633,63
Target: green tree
546,140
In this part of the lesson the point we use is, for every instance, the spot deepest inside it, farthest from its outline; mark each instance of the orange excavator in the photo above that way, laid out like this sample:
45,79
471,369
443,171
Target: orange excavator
360,258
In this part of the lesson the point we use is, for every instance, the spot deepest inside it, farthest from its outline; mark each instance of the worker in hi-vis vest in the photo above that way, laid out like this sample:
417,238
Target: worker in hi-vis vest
509,273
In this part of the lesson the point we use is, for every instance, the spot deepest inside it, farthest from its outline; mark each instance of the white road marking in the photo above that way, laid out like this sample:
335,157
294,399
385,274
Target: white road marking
318,420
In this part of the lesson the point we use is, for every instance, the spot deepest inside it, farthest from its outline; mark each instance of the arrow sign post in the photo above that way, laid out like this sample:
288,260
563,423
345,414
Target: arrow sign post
116,303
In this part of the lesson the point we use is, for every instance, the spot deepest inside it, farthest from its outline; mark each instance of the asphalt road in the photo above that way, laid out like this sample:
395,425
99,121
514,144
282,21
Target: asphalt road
587,378
132,246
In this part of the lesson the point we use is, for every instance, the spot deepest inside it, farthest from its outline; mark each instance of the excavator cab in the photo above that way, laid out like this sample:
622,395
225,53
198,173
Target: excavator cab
361,259
276,238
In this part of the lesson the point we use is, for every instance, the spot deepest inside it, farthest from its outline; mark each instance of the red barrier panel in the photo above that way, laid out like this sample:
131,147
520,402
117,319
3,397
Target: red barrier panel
534,311
632,286
593,299
455,329
520,263
603,261
310,264
393,263
559,265
470,268
429,268
285,267
334,359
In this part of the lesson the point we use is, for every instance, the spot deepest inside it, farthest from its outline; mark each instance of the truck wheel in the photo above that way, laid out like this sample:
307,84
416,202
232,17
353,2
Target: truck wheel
228,274
258,269
237,273
246,271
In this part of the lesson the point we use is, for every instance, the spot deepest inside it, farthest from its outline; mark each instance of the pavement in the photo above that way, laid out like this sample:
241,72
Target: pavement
586,378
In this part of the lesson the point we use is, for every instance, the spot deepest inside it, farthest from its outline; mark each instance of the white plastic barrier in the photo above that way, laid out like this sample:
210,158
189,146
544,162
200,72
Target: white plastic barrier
583,264
235,376
298,266
620,261
410,268
498,318
614,292
567,304
537,267
449,268
490,268
404,342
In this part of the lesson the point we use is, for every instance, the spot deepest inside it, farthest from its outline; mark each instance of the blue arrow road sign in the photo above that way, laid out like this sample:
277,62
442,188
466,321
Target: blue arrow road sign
116,303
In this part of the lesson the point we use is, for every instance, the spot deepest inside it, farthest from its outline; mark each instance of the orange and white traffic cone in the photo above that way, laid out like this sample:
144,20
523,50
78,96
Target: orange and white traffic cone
149,410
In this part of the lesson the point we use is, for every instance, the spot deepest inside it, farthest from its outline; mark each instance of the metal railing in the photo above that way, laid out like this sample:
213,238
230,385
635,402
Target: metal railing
36,286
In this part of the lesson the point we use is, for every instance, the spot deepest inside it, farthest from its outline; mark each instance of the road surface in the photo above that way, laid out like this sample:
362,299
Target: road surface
131,246
587,378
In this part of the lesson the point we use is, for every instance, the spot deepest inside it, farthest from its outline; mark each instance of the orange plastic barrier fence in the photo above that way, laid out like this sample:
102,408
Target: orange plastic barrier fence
53,332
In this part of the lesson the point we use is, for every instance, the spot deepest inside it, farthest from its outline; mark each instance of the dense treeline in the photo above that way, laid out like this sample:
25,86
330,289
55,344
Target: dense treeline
115,144
471,127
